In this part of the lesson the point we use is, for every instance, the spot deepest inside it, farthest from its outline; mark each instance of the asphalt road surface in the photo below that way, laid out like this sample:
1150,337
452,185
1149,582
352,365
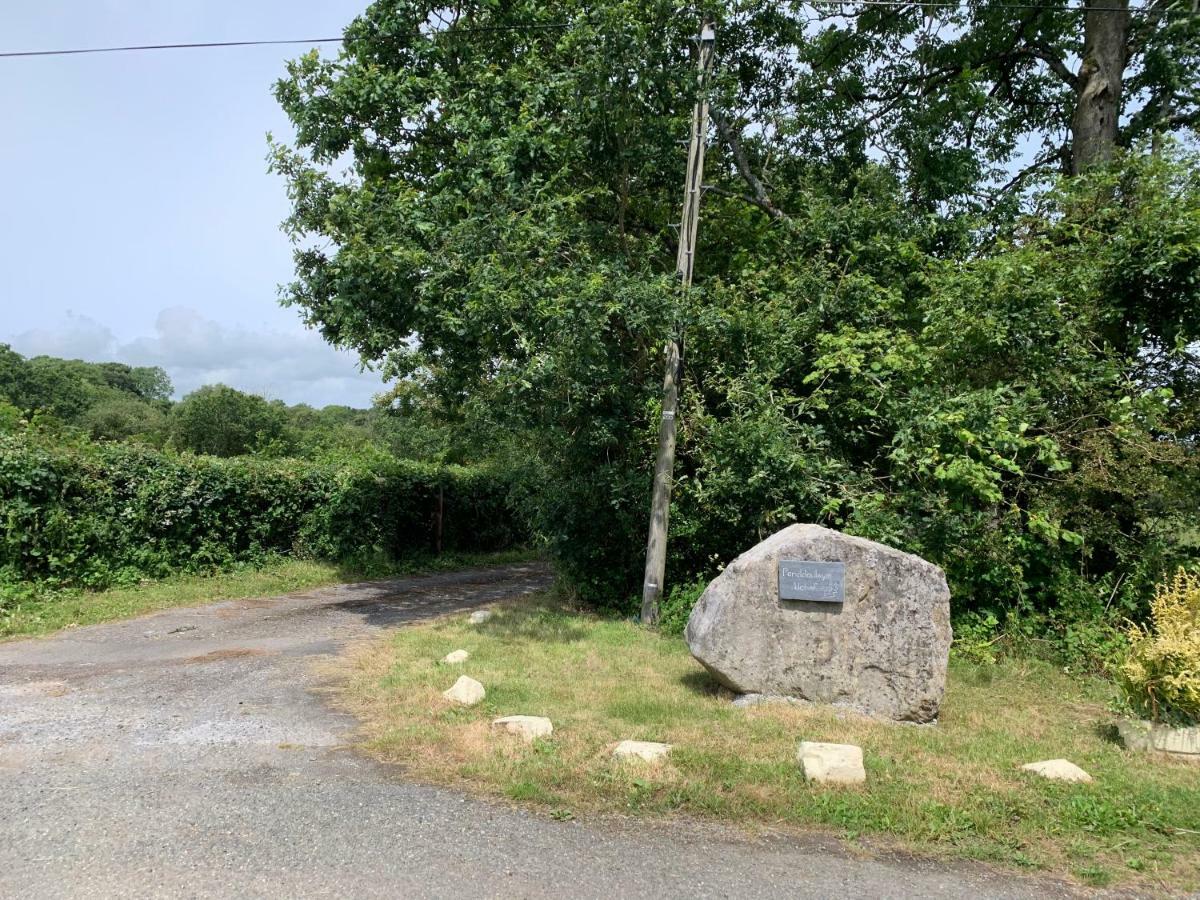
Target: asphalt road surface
189,754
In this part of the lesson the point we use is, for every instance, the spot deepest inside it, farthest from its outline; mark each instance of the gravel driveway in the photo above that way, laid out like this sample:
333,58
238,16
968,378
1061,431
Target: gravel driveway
187,754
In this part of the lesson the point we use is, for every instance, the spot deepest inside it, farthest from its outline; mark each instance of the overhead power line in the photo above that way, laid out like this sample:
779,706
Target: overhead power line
75,51
535,26
475,29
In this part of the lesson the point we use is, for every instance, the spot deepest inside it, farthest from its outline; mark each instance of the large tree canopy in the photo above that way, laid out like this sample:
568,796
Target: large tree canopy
483,195
970,100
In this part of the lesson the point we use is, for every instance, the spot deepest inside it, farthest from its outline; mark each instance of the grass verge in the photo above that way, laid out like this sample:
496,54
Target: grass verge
33,611
954,789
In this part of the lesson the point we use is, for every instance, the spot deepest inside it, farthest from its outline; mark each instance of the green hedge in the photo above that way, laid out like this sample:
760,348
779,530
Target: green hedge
92,515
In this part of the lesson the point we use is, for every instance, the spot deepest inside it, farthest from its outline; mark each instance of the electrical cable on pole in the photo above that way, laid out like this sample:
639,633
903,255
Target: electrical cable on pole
685,261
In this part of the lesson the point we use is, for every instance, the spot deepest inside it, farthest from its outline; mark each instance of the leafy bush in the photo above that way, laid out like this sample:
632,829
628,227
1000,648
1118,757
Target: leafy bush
223,421
122,418
10,416
677,607
977,636
1161,674
962,410
91,515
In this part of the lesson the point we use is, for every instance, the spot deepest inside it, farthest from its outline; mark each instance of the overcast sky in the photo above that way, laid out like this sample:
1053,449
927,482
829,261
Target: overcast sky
137,219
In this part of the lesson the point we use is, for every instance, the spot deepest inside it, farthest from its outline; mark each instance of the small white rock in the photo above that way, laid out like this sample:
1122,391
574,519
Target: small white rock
647,751
480,616
832,763
455,657
466,691
1058,770
528,728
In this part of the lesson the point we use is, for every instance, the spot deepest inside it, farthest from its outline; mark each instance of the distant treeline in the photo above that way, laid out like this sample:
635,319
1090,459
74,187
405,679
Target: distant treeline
116,402
105,480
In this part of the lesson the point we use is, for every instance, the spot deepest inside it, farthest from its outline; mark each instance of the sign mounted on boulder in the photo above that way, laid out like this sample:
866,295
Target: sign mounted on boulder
822,616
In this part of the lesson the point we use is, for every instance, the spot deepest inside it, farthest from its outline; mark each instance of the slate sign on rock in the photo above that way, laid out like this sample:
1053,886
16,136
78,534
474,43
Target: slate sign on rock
880,646
808,579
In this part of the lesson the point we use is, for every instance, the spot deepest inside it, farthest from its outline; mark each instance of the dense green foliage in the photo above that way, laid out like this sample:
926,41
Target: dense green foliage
1011,390
100,482
115,402
85,514
110,400
222,421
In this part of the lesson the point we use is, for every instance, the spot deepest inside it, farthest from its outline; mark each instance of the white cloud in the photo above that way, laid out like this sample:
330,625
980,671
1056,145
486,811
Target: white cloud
78,337
295,366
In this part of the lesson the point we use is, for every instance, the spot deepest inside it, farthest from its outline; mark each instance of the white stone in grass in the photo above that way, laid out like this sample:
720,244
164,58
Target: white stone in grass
832,763
466,691
1058,770
480,616
647,751
455,657
528,728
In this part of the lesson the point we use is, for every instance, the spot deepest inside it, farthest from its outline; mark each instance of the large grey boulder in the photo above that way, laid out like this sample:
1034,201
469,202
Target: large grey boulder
882,650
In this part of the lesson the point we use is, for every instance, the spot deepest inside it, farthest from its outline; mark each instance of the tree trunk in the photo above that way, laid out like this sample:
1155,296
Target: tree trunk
1098,85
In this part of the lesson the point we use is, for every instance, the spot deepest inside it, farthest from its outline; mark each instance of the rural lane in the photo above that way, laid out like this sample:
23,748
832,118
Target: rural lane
188,753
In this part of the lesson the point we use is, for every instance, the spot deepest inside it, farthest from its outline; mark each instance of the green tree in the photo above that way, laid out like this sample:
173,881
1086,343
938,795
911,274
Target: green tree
122,418
311,432
12,367
149,383
68,389
965,99
222,421
986,389
10,417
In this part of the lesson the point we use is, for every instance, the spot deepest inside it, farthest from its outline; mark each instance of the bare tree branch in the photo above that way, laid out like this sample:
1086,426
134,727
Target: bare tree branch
1047,55
1058,154
745,198
760,197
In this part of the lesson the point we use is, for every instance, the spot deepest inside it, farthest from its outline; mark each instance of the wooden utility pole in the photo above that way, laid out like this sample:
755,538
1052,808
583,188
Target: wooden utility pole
660,506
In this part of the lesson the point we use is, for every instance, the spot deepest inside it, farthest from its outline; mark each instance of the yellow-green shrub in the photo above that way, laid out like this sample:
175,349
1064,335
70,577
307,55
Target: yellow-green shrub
1161,673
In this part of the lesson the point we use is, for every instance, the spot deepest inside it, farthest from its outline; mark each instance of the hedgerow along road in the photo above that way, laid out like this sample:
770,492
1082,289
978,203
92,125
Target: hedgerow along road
189,753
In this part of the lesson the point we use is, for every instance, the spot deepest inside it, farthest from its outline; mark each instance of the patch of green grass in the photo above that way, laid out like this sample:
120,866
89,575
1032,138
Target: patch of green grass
953,789
41,611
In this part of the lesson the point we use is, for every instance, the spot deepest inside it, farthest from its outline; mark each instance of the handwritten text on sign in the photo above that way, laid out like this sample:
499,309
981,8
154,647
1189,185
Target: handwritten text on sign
804,579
